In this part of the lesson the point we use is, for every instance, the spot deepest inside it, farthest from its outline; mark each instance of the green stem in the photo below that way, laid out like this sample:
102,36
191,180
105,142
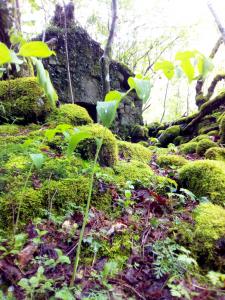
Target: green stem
20,203
77,258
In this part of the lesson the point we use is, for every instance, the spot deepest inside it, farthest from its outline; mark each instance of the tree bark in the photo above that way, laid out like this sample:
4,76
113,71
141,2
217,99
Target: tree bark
106,57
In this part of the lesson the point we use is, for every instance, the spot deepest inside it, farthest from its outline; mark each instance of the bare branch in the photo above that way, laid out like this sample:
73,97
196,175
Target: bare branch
106,57
217,20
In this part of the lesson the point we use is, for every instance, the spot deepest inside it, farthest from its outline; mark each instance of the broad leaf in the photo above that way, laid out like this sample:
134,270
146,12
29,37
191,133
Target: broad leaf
75,139
142,87
36,49
64,294
188,69
41,75
37,159
167,67
49,90
5,56
204,65
107,112
185,55
114,96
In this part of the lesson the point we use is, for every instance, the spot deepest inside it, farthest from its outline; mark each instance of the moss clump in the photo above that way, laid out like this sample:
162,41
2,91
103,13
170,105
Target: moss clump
204,145
23,101
17,163
215,153
31,206
171,160
109,152
188,148
207,129
134,171
213,133
139,133
153,128
70,114
134,152
9,129
222,130
204,178
169,135
200,137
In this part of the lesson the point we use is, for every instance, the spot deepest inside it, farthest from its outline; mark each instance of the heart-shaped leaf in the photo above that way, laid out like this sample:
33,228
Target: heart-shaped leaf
142,87
114,96
78,136
36,49
107,112
5,56
37,159
167,67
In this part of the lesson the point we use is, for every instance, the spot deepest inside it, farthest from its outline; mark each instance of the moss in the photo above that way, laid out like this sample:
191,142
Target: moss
109,152
169,135
222,130
188,148
200,99
208,128
31,206
215,153
134,152
70,114
17,163
143,143
213,133
23,101
139,133
178,140
164,185
171,160
200,137
134,171
204,178
204,145
153,128
9,129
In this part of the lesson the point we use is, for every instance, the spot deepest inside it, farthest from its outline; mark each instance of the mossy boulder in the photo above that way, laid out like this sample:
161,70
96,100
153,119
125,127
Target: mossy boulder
70,114
153,129
188,148
9,129
169,135
215,153
139,133
108,155
134,171
222,130
200,137
131,151
204,145
171,161
204,178
23,101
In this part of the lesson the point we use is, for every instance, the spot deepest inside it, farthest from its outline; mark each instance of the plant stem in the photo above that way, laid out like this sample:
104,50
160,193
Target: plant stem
20,203
77,258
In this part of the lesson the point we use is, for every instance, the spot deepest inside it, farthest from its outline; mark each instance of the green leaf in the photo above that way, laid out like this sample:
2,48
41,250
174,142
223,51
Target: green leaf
64,294
5,56
141,85
107,112
75,139
188,69
36,49
204,65
41,74
114,96
49,90
167,67
185,55
37,159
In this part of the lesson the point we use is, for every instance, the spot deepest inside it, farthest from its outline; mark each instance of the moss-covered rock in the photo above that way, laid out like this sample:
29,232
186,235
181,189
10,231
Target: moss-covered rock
204,145
70,114
153,129
188,148
169,135
9,129
215,153
222,130
131,151
213,133
23,101
171,161
204,178
108,155
200,137
134,171
139,133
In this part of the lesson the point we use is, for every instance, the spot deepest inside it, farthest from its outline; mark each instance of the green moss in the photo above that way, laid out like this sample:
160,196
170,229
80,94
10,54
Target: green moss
171,160
215,153
153,128
188,148
204,178
109,152
17,163
9,129
143,143
204,145
222,130
169,135
31,206
139,133
200,99
213,133
200,137
22,101
134,152
70,114
134,171
208,128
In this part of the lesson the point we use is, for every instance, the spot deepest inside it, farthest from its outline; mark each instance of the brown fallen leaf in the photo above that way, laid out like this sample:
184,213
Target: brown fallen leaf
26,255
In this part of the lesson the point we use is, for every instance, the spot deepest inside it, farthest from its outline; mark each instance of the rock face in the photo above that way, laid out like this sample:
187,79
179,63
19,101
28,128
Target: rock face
84,55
